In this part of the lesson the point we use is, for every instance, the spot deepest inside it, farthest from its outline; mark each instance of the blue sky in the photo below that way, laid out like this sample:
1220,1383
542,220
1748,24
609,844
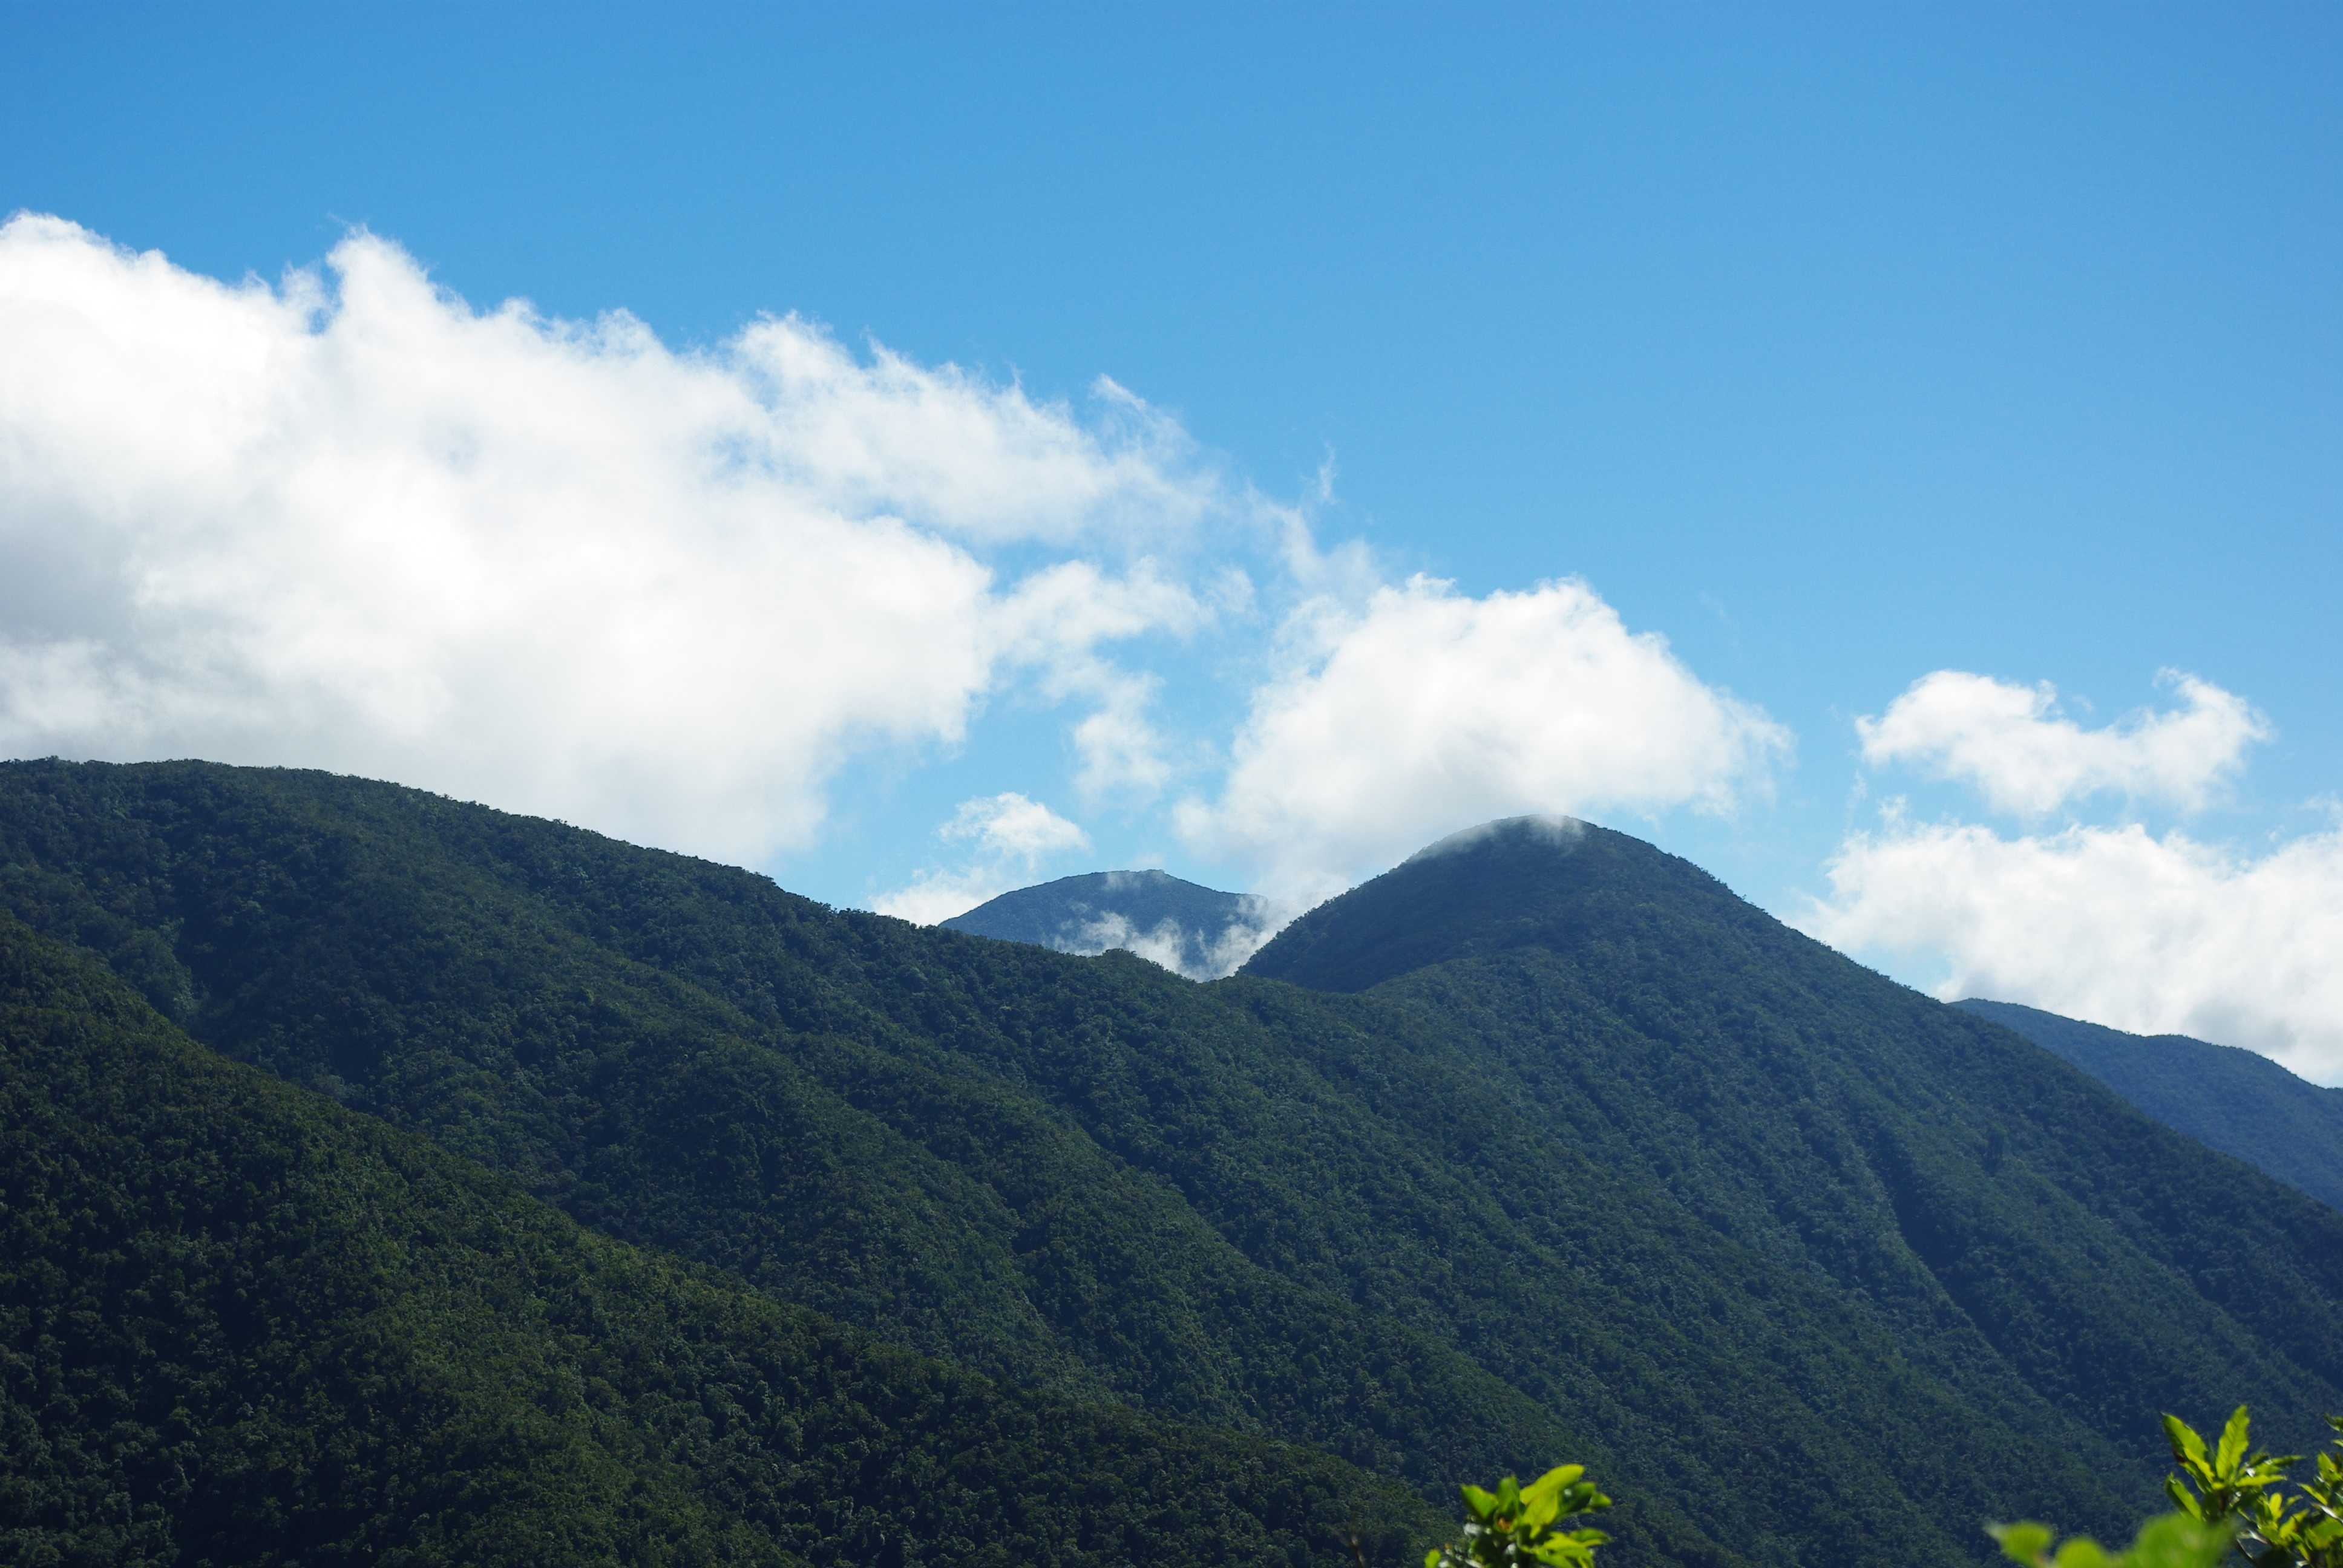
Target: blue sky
1838,346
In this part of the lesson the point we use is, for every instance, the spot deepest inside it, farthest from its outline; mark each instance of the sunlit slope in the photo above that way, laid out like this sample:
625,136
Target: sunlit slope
1419,1231
243,1325
2004,1213
2225,1098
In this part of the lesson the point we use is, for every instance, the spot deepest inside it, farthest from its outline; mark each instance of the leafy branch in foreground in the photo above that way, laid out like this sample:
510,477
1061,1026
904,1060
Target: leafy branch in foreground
2167,1540
2245,1490
1521,1525
2229,1496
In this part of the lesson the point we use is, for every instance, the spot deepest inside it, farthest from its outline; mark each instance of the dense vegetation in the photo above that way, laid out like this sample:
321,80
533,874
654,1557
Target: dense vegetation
239,1324
2004,1214
2230,1501
1606,1164
1188,925
2234,1100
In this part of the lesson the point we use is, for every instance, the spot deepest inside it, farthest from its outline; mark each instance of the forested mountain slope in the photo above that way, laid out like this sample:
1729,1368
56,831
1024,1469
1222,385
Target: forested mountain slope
1996,1208
1199,931
846,1110
238,1324
1477,1220
2234,1100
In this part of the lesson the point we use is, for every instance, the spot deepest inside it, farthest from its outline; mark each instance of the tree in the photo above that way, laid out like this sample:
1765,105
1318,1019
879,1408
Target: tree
1517,1524
2231,1497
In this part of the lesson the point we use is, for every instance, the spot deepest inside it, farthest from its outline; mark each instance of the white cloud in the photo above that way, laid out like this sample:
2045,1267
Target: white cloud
1117,745
2011,743
1011,835
347,521
1414,709
2116,925
1200,955
936,894
1011,826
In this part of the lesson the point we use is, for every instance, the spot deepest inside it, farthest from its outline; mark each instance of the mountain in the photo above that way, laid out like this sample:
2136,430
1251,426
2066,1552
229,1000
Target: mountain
1197,931
2238,1102
1541,1146
1995,1206
950,1142
238,1323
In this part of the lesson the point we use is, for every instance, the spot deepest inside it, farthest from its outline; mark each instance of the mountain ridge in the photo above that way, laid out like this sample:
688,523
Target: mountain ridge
1187,928
2225,1097
238,1323
1415,915
1668,1188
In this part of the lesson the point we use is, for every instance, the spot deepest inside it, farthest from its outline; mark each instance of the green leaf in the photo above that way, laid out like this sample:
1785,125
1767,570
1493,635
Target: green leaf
2233,1444
1542,1500
1550,1484
2023,1543
2177,1540
2185,1444
1482,1503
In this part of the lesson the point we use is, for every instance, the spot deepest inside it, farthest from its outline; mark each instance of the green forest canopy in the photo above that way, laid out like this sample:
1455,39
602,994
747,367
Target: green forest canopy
1588,1159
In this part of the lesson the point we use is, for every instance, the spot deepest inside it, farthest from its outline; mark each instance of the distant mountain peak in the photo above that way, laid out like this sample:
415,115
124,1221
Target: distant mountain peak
1198,931
1516,883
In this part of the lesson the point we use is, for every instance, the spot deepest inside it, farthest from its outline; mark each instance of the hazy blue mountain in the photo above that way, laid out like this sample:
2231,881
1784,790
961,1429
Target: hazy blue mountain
1199,931
1600,1163
2238,1102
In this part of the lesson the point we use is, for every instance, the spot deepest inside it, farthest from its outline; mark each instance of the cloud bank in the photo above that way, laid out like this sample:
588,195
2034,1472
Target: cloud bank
2106,920
348,522
1421,710
2152,934
1198,954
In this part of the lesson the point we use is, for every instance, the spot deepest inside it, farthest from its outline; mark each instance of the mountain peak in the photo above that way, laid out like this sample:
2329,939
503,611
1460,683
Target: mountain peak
1519,881
1195,931
1554,832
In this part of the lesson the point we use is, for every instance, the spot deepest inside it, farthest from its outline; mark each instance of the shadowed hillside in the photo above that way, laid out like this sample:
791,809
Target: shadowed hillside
239,1324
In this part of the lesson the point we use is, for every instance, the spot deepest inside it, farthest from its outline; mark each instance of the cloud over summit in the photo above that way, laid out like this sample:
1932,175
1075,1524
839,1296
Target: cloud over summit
1421,710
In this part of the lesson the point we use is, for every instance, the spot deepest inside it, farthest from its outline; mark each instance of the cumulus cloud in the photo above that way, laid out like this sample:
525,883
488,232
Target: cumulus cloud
1415,708
2113,924
347,520
1009,836
2011,743
937,893
1010,826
